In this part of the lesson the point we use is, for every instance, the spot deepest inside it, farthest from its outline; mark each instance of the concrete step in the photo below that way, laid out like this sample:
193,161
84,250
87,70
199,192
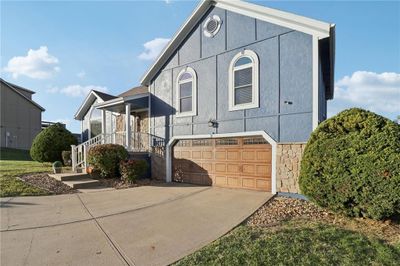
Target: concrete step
69,176
83,183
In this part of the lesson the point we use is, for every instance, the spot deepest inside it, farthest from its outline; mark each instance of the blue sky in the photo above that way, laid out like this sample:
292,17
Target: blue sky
63,49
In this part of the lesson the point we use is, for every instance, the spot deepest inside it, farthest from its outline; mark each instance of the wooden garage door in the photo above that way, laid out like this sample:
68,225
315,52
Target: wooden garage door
225,162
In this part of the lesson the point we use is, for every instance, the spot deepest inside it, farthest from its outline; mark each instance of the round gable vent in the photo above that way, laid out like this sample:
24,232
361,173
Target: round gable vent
211,26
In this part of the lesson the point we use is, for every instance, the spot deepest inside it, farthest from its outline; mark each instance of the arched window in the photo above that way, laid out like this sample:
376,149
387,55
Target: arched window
186,93
95,122
243,81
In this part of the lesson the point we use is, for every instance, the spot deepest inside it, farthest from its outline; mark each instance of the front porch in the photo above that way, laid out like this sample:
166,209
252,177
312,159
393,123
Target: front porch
124,121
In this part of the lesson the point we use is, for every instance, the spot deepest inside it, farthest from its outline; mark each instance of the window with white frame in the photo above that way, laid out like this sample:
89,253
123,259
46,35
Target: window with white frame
243,81
186,93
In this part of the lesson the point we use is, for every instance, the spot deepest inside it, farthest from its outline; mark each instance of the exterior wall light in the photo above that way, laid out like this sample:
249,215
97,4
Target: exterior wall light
212,123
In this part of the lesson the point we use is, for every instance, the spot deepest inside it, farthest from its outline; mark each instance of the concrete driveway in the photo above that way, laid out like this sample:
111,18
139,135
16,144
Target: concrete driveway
151,225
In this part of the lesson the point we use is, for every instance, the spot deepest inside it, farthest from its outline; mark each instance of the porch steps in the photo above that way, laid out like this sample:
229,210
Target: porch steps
77,180
83,183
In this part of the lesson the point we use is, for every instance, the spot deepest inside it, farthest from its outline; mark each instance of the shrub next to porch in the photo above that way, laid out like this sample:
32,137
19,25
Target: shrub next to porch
133,169
106,158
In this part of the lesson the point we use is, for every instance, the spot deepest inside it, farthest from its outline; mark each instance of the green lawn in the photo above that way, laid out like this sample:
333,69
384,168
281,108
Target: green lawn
14,155
15,163
295,244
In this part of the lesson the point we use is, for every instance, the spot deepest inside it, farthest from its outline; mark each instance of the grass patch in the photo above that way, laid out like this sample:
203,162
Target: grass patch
291,244
14,155
10,186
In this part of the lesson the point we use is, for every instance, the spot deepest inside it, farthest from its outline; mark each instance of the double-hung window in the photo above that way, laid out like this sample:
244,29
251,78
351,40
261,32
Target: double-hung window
243,81
186,92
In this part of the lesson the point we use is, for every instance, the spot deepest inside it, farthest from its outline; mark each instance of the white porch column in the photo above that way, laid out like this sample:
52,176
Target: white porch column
103,125
128,126
103,121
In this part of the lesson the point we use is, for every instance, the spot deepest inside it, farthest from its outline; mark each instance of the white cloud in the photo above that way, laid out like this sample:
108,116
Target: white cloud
37,64
77,90
168,1
376,92
153,48
81,74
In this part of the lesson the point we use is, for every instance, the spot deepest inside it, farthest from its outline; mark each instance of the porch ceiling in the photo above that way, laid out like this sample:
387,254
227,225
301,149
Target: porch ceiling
137,102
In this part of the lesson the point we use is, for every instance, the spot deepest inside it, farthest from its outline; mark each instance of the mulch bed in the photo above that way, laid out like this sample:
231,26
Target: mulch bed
283,209
44,181
121,184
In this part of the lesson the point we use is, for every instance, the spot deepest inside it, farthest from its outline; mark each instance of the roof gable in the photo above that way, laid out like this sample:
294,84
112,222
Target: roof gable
89,100
17,89
299,23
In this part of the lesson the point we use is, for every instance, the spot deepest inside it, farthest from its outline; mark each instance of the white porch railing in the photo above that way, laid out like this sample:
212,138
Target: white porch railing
139,142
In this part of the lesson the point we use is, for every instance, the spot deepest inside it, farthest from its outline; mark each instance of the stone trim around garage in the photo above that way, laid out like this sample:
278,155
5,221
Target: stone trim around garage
288,162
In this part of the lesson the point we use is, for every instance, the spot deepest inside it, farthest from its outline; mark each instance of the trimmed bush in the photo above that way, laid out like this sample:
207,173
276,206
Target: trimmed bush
50,142
106,158
351,165
133,169
66,156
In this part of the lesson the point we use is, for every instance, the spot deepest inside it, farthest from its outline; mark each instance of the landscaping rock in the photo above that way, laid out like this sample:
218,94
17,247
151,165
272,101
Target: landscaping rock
282,209
44,181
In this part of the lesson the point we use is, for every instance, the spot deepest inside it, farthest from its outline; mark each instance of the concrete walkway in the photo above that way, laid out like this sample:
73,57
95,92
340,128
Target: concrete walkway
150,225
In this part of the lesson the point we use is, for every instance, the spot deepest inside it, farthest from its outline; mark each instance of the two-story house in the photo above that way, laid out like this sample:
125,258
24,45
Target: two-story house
233,98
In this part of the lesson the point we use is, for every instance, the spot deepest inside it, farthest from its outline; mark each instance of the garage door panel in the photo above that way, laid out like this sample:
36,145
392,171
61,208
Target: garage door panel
248,182
231,162
220,167
264,156
207,155
220,181
233,168
248,155
263,170
233,181
220,155
263,184
208,167
186,154
233,155
196,154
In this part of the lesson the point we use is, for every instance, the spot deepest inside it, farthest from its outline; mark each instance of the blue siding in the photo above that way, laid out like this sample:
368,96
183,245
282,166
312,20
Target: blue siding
285,75
241,30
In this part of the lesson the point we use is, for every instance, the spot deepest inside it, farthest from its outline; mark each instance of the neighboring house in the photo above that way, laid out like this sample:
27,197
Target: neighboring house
20,116
231,100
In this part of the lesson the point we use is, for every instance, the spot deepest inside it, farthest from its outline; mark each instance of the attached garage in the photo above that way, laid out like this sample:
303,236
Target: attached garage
237,162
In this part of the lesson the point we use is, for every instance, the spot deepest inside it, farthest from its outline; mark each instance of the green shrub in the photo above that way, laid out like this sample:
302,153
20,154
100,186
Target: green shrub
133,169
66,157
50,142
106,158
351,165
57,164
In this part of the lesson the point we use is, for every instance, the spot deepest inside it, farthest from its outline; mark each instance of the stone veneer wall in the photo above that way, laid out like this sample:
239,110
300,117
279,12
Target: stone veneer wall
288,166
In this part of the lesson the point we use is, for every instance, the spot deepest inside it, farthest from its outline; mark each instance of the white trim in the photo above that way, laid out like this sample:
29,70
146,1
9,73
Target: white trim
268,138
285,19
255,103
120,100
103,121
128,130
278,17
78,115
315,83
193,112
